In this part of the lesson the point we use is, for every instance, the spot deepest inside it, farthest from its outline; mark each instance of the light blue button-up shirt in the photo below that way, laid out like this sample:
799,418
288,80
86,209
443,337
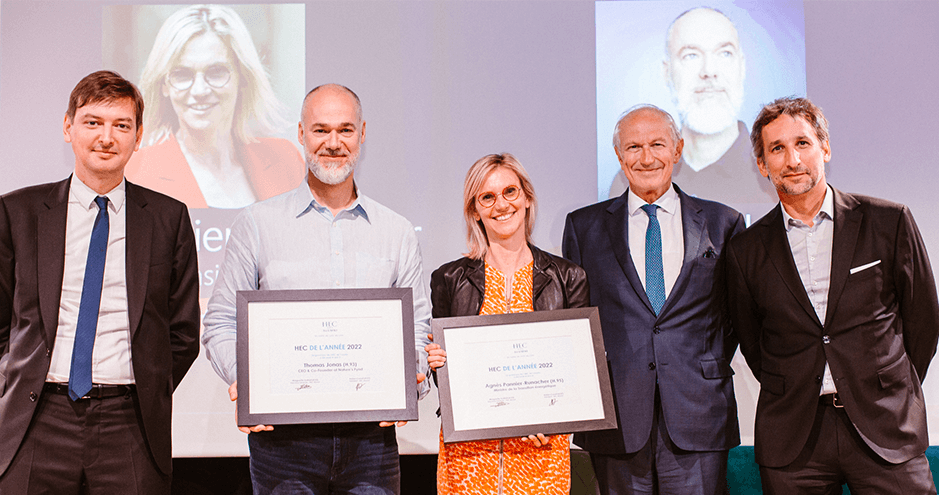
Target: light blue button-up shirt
811,252
292,242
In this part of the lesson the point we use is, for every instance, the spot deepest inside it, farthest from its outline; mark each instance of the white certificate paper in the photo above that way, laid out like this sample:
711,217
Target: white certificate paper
504,375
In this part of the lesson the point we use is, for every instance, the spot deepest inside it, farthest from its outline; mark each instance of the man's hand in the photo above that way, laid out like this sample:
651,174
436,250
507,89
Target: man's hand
385,424
233,395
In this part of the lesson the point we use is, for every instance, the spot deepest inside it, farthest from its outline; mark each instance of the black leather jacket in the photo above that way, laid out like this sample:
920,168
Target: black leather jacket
457,287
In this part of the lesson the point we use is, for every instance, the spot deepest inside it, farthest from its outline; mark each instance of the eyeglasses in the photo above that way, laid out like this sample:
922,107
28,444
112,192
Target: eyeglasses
488,199
182,78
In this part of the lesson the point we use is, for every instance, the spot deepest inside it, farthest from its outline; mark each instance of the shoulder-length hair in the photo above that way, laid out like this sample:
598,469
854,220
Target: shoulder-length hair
258,112
476,238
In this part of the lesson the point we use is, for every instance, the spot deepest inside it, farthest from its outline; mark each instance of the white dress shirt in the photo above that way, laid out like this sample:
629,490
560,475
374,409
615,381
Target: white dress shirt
673,242
110,359
811,251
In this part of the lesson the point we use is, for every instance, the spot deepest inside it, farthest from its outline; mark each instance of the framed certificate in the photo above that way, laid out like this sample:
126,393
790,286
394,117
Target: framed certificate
326,356
518,374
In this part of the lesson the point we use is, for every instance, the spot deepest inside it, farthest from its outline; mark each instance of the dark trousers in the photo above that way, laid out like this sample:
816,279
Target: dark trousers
90,446
660,467
835,454
353,458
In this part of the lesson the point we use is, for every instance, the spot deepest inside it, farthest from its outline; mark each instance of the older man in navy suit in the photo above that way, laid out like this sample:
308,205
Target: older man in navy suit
654,259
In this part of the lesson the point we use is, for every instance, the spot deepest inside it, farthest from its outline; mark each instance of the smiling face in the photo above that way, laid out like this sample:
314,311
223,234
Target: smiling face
504,219
208,104
705,70
647,153
103,136
331,132
793,156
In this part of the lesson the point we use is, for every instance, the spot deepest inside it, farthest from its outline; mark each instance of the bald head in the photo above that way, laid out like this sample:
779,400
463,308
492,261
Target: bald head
696,24
331,91
705,70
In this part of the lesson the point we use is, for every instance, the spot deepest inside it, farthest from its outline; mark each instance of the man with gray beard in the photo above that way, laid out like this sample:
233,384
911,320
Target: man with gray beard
323,234
704,69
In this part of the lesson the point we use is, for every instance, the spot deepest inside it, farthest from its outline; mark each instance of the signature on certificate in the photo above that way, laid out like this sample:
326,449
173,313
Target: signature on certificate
301,387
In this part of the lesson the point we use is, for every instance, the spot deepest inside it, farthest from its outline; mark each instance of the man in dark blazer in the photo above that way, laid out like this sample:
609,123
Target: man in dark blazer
834,303
105,426
669,348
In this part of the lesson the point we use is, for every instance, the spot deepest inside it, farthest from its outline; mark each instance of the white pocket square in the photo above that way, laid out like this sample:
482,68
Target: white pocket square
864,267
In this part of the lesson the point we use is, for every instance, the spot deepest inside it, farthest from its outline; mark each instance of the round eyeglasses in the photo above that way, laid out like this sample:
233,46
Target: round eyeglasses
488,199
182,78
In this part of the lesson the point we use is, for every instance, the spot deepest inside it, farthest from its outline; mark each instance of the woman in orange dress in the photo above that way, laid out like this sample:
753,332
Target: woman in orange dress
503,273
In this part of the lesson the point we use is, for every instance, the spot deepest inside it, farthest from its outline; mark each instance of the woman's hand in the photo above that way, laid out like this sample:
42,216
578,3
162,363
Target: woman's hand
537,440
436,357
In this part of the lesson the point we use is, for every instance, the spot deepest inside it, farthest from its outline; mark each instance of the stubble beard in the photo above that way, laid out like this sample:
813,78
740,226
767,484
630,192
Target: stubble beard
794,189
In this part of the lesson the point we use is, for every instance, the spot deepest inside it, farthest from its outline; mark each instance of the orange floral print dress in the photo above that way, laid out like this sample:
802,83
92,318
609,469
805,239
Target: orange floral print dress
508,466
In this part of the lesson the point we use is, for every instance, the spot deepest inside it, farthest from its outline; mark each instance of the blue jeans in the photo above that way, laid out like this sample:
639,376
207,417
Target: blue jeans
353,458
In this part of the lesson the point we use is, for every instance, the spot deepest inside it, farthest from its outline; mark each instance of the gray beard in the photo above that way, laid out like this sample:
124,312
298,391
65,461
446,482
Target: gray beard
330,175
710,116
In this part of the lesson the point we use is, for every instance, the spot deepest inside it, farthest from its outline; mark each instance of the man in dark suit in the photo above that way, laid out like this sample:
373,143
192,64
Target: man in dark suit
834,303
653,258
99,313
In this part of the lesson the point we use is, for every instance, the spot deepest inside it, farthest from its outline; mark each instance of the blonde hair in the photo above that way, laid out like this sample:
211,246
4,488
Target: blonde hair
476,239
258,113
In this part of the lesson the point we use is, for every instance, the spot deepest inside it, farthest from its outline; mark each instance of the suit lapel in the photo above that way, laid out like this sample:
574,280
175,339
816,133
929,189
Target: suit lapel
139,232
51,257
693,228
846,228
773,234
617,224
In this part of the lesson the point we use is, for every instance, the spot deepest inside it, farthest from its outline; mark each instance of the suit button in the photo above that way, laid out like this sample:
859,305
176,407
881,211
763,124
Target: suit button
33,396
48,352
826,339
818,379
656,330
651,366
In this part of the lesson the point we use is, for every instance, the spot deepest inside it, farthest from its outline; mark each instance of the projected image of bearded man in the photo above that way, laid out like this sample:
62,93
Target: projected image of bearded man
705,71
705,68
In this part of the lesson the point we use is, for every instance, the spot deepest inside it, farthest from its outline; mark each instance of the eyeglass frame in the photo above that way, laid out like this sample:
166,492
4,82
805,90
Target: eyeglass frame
495,196
194,73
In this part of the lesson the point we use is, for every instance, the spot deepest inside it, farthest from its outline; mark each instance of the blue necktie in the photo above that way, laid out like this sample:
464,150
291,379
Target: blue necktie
79,382
655,275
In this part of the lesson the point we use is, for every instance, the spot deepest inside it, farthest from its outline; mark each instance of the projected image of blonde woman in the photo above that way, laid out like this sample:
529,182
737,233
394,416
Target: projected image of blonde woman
210,108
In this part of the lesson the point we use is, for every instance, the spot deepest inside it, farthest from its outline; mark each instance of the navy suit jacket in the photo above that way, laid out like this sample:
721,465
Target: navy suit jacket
162,305
879,334
686,350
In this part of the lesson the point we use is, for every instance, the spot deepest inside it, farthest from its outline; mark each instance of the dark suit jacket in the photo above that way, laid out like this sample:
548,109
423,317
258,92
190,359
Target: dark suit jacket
162,305
457,287
879,334
687,347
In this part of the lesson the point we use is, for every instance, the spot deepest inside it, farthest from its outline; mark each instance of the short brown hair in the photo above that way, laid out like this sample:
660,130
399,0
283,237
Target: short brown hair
476,238
104,86
792,106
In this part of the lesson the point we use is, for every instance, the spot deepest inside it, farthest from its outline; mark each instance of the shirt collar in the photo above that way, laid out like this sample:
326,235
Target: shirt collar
305,203
669,202
85,196
827,211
